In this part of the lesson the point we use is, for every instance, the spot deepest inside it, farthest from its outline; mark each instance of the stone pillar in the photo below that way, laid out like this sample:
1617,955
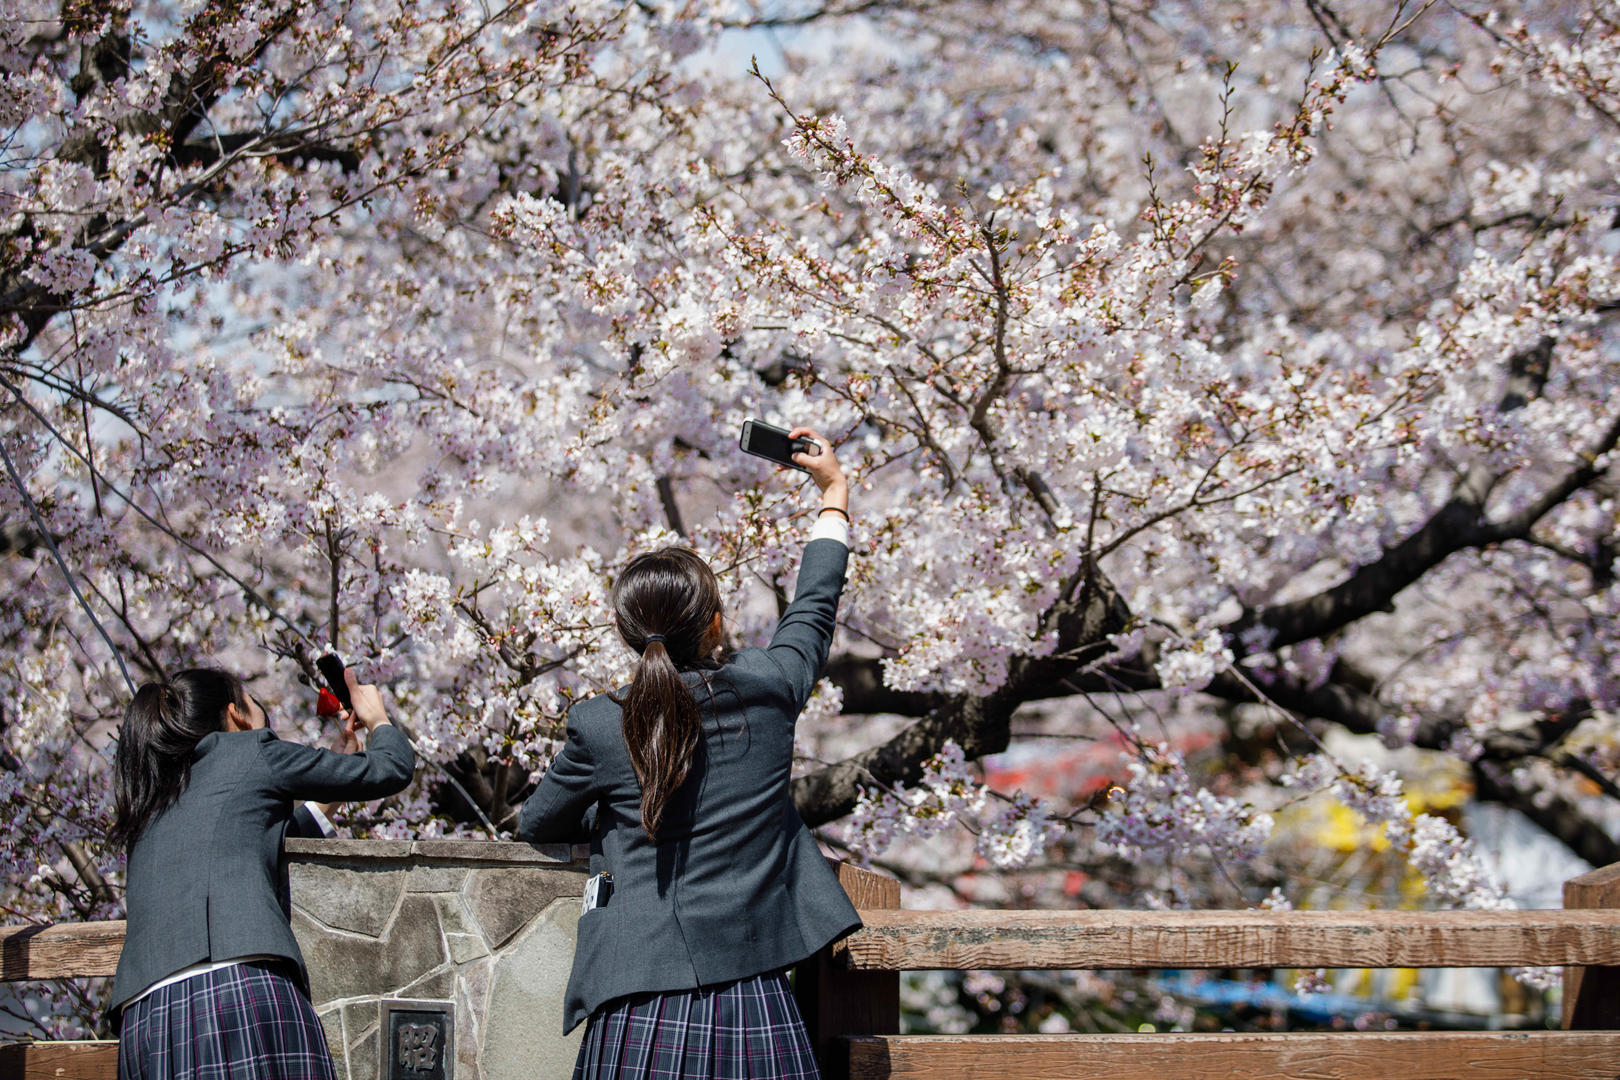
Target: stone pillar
486,925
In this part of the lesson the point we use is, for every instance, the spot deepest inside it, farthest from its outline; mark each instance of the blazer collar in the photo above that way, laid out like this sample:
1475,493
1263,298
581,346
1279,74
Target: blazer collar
212,740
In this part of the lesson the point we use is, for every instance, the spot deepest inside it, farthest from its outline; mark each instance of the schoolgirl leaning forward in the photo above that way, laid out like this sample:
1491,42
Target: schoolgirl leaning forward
211,984
681,783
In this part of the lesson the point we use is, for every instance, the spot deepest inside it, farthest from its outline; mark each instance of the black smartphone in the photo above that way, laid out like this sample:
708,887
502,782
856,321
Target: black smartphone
331,669
774,444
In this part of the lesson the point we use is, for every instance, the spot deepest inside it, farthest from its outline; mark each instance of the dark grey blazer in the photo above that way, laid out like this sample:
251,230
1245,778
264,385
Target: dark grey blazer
206,879
735,885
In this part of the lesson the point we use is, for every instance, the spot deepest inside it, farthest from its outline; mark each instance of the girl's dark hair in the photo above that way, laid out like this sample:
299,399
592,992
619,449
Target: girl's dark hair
162,726
670,594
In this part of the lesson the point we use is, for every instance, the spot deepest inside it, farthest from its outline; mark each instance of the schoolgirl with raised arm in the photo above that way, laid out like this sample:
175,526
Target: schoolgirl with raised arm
711,886
211,984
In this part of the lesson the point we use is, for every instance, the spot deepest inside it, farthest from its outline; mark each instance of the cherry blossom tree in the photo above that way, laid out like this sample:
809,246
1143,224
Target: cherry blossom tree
1245,365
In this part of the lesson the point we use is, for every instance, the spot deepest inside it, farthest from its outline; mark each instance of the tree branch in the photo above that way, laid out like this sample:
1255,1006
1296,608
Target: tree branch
1560,817
672,509
1089,609
1459,525
293,146
1346,700
860,679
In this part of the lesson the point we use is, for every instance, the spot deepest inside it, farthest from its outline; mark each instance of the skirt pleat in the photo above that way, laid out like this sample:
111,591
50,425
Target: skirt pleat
746,1030
249,1021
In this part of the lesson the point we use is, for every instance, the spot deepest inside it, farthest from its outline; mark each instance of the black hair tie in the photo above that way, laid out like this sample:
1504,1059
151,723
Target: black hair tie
652,638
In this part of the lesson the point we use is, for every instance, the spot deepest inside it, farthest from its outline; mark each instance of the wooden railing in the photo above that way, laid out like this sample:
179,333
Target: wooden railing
65,951
853,1011
850,993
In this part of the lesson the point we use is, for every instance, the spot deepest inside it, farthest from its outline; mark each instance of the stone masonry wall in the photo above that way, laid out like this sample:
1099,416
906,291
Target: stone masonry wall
486,925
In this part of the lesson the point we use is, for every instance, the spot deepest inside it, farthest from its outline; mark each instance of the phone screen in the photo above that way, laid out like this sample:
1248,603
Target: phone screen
768,442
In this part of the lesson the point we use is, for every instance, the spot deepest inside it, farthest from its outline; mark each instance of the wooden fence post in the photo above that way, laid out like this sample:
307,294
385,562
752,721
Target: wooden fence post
1592,994
835,1001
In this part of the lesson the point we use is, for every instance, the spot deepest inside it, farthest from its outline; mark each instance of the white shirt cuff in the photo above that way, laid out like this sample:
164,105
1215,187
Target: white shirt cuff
321,822
831,527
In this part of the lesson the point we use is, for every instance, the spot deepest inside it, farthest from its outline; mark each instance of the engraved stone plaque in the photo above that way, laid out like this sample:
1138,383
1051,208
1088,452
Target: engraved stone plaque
418,1040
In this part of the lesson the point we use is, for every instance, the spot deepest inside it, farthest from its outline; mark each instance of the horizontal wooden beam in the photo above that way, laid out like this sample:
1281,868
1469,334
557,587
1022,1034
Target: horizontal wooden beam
60,952
907,940
60,1061
1450,1055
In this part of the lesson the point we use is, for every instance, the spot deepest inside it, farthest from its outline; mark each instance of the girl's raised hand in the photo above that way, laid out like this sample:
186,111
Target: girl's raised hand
824,469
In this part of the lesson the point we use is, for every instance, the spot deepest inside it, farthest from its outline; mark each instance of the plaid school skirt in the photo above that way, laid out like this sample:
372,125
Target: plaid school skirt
747,1029
249,1021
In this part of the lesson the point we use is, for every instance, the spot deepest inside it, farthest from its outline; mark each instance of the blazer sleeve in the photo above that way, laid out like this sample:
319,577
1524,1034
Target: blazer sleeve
306,772
804,635
558,810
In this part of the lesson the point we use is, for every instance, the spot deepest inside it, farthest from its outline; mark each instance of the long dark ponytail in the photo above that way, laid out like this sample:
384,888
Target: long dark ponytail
162,726
665,602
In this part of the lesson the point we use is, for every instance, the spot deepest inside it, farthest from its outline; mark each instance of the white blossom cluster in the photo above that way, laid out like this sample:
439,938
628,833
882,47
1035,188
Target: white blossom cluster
1162,814
1191,664
1018,833
1010,832
948,789
1452,870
